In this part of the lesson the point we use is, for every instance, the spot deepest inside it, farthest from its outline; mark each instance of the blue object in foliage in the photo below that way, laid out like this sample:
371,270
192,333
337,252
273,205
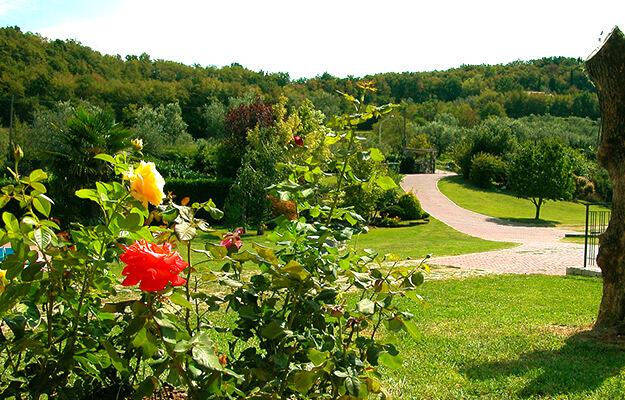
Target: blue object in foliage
5,251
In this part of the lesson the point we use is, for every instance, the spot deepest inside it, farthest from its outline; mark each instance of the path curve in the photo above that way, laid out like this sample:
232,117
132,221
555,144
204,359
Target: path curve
540,250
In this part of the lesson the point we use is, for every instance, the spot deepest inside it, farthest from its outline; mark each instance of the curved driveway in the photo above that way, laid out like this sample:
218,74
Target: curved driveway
540,250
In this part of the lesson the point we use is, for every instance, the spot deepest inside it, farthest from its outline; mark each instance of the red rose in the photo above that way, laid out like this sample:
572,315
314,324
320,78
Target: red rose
232,243
153,265
298,140
232,240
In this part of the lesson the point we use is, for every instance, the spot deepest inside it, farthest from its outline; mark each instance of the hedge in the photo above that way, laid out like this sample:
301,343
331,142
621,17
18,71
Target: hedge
199,190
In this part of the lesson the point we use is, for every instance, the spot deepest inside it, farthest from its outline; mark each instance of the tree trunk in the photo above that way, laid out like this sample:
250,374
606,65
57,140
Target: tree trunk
606,68
538,204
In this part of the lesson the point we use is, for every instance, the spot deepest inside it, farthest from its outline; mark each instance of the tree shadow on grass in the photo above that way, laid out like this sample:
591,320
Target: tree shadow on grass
580,366
524,222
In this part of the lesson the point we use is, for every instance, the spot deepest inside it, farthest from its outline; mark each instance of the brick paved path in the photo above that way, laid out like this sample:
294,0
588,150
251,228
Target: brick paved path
540,250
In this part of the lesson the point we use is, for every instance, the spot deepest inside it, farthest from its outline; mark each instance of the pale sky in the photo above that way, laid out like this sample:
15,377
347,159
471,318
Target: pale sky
341,37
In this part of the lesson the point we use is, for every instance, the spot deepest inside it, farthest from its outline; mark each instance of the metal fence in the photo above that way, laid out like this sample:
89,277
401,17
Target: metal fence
596,223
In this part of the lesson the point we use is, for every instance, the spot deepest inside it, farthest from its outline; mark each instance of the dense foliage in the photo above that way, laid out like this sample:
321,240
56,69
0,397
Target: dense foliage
305,320
542,171
40,72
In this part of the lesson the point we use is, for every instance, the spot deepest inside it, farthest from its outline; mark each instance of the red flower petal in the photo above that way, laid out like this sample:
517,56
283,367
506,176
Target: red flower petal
151,265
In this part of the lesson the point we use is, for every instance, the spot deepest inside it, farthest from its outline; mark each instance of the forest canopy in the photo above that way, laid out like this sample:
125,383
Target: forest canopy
38,73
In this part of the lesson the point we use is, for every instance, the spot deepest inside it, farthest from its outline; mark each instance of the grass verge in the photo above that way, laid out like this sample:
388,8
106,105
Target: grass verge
509,337
506,206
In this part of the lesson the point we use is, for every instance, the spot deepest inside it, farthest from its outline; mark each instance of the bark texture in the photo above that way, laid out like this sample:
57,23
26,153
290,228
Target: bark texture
606,68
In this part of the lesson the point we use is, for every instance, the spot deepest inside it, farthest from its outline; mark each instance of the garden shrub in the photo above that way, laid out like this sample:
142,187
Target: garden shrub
361,201
394,211
487,169
410,206
584,189
292,332
387,198
200,189
388,222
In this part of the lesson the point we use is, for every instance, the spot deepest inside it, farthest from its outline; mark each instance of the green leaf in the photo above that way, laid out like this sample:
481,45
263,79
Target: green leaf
105,157
11,223
376,154
89,194
116,360
146,388
38,187
295,270
317,357
180,300
206,358
366,306
273,330
42,237
42,204
386,183
132,222
412,330
217,251
30,221
266,253
389,361
303,381
245,256
37,175
4,199
352,384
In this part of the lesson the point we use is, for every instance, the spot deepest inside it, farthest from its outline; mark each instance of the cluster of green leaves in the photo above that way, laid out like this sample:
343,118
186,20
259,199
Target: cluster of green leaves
67,330
308,318
542,171
57,341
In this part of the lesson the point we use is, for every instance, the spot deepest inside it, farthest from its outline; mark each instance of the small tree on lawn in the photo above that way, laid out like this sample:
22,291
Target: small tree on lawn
542,171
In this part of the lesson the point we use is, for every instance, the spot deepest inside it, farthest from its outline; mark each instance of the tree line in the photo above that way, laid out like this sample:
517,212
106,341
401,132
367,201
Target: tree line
37,73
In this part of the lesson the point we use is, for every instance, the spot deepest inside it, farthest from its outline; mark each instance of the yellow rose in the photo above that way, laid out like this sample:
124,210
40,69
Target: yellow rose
3,280
137,144
146,184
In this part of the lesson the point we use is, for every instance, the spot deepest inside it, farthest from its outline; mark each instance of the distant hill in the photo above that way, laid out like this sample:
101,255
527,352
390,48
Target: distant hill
39,72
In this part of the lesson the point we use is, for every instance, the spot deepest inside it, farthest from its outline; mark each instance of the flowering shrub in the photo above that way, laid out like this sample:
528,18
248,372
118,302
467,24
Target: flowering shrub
305,320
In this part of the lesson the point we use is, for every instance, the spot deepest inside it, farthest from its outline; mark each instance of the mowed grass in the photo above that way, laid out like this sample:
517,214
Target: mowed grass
506,206
413,242
502,337
508,337
417,241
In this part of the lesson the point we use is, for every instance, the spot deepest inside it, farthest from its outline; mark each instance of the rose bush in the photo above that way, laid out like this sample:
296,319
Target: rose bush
302,318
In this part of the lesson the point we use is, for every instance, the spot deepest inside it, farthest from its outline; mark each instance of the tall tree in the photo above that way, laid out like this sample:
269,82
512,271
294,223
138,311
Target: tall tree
542,171
605,68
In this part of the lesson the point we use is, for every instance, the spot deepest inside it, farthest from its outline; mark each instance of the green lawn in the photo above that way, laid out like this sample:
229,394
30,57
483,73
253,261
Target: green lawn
433,238
415,241
506,206
505,337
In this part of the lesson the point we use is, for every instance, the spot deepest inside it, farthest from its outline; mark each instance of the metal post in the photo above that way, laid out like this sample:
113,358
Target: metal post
586,237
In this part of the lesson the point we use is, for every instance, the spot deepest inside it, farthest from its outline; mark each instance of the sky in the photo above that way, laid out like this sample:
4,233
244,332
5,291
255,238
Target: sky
342,37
